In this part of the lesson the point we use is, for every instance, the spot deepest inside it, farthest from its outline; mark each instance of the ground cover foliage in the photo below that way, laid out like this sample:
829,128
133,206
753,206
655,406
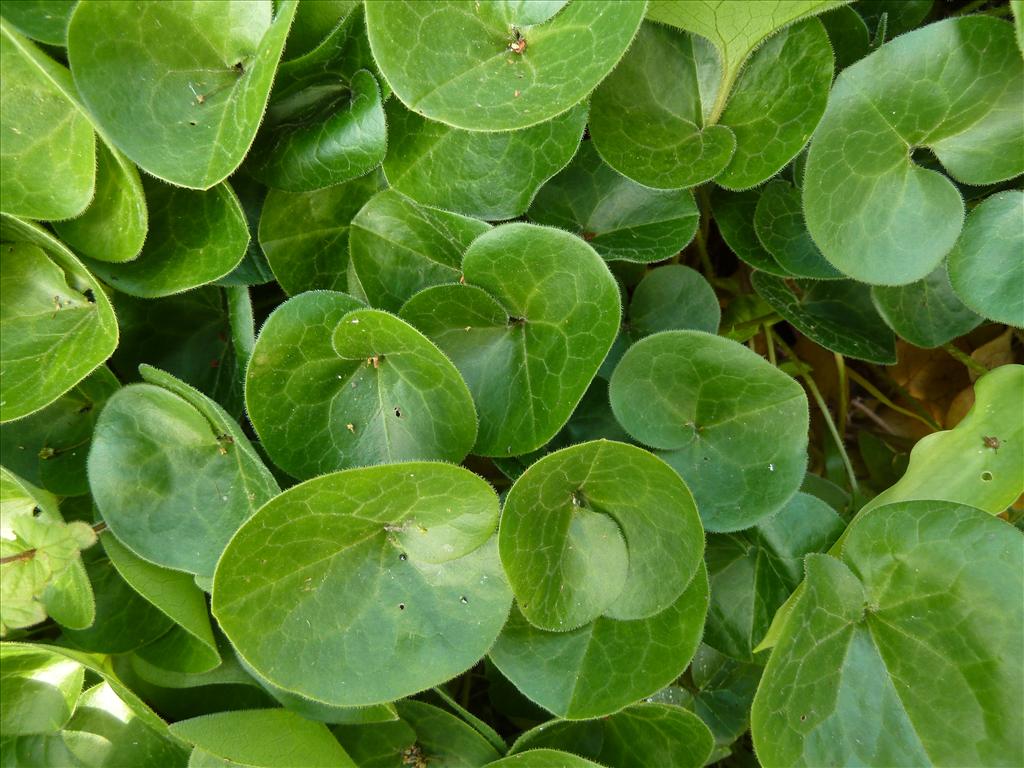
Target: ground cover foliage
538,384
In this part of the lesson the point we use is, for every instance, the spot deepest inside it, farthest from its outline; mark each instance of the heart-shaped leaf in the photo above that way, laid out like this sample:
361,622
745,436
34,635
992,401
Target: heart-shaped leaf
928,313
48,150
837,314
734,214
646,118
527,331
305,235
673,298
392,570
779,224
985,266
325,121
639,736
605,665
724,691
497,66
730,423
180,88
268,738
399,247
954,87
175,259
752,572
49,447
621,219
172,474
56,322
491,175
543,758
598,529
892,620
332,385
114,226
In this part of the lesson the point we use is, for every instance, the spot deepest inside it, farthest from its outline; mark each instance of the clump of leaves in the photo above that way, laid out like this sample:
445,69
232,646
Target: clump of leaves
567,383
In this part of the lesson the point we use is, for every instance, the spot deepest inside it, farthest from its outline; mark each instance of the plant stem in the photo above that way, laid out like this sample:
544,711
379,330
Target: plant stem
28,554
844,392
878,395
243,326
770,343
823,407
959,355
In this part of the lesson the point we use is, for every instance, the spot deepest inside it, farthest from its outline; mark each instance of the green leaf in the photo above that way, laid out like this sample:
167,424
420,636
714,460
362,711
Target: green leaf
180,88
490,175
724,690
333,386
891,624
673,298
621,219
646,118
48,150
176,258
313,23
735,28
49,448
777,101
954,87
124,622
305,235
900,15
605,665
172,474
56,323
399,247
124,739
734,214
731,424
390,572
928,313
528,331
837,314
985,266
190,646
457,63
38,689
268,738
963,465
752,572
779,224
598,529
42,20
639,736
848,34
114,226
543,758
325,121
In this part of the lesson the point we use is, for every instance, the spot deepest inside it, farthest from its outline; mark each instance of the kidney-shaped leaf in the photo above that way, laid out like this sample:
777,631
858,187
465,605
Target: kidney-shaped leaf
497,66
928,313
779,224
178,87
673,298
640,736
492,175
918,618
172,474
390,573
331,385
600,528
953,86
731,424
528,331
56,322
48,143
605,665
621,219
543,758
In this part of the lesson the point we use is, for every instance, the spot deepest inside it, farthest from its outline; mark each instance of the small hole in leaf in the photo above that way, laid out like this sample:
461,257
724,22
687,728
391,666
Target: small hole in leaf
89,296
403,557
192,122
401,606
36,511
803,718
398,413
463,600
986,476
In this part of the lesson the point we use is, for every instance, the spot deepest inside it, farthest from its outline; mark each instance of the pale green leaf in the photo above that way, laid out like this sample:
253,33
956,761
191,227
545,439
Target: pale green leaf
730,423
496,65
179,87
389,574
38,689
673,298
